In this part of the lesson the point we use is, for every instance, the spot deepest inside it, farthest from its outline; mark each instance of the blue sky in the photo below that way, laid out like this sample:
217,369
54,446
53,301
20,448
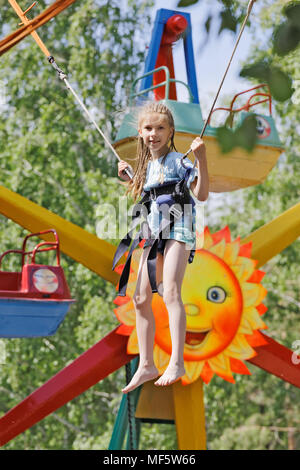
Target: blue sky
211,59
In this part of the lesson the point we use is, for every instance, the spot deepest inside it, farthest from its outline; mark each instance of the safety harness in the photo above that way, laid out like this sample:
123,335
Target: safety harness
172,199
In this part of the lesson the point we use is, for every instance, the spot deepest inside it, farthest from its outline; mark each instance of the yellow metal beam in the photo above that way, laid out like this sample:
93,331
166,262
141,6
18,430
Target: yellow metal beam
97,255
82,246
190,415
155,402
275,236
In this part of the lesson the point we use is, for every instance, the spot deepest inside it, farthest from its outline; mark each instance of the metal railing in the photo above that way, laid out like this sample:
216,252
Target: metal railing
248,105
165,83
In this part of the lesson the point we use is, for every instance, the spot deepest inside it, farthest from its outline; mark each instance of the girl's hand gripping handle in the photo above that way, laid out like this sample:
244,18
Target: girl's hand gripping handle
124,171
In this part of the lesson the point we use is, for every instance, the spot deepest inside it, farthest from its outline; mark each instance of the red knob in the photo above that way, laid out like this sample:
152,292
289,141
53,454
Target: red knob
176,24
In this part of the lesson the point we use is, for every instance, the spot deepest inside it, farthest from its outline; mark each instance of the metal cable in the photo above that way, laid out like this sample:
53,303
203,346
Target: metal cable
249,8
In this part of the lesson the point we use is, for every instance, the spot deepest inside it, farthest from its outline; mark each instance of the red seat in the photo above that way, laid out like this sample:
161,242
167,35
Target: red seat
10,281
36,281
39,279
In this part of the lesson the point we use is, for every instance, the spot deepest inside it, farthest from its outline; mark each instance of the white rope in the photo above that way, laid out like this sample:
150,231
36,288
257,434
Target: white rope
95,124
62,76
249,8
91,118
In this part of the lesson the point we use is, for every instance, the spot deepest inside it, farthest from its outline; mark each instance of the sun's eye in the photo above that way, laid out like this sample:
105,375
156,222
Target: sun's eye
216,294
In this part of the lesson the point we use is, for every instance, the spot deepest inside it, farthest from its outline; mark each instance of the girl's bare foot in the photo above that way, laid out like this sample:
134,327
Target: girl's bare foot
142,375
171,374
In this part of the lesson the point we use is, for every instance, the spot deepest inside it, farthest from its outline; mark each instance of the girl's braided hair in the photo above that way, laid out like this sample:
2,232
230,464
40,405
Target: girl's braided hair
135,186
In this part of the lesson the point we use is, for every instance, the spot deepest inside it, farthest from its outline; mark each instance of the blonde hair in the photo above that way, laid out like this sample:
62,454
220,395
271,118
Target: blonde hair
135,186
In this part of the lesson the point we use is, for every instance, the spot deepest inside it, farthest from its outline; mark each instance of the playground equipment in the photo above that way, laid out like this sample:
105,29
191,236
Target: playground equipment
181,404
29,28
235,170
34,301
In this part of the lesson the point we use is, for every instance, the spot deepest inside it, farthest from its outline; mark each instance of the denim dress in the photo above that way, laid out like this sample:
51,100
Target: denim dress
184,228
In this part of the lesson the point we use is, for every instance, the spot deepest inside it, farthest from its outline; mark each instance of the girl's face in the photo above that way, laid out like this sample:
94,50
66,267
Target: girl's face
156,132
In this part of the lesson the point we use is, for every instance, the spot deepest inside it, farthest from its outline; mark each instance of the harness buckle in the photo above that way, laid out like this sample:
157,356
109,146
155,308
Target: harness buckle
153,195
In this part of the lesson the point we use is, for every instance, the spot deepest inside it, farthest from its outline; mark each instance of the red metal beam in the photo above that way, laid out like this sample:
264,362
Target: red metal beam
102,359
277,360
17,36
95,364
174,27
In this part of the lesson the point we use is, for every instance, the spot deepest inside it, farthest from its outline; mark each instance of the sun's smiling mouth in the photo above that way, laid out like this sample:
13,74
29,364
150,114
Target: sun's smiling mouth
194,338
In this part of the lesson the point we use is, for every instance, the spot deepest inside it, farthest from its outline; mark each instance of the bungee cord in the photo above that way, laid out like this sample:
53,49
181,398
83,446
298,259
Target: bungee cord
63,77
249,8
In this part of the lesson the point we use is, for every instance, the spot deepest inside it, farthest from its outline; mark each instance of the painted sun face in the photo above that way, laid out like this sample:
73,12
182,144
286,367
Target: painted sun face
222,297
213,304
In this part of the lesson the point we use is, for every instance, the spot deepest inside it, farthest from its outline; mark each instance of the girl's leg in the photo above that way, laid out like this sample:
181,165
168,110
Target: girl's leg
145,325
175,261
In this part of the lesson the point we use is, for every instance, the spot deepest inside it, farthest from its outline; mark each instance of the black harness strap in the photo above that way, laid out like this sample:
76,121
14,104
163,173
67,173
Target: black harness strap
181,196
151,265
126,270
152,255
126,241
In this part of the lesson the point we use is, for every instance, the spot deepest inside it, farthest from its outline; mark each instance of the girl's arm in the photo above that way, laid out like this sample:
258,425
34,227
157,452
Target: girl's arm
200,185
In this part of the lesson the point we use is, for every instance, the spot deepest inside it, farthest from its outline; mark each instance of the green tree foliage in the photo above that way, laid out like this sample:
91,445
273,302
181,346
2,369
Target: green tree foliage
285,38
50,154
261,411
280,84
287,34
244,136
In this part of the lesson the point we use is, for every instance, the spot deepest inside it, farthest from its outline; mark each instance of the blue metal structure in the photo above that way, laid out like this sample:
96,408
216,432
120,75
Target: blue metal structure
29,318
161,19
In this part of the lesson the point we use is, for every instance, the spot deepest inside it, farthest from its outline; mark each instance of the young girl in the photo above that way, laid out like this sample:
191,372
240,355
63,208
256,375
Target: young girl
158,163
